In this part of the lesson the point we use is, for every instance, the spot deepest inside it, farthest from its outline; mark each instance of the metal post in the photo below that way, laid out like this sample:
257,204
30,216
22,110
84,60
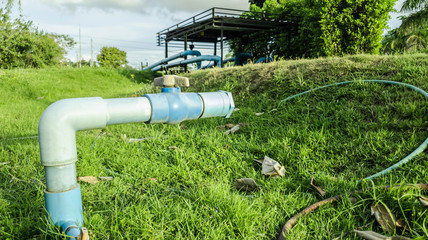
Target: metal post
166,49
215,48
185,48
80,49
221,44
92,54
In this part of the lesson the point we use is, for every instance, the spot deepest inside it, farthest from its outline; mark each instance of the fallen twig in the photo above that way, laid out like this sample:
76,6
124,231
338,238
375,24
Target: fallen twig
292,221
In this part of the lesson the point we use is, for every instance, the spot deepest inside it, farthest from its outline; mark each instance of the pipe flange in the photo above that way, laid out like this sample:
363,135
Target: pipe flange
232,104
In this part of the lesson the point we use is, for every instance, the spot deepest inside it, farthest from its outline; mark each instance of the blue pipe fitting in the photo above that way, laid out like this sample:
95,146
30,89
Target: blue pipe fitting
174,107
171,90
65,210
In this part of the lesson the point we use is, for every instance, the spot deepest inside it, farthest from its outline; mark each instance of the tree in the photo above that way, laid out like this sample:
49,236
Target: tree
112,57
321,27
23,45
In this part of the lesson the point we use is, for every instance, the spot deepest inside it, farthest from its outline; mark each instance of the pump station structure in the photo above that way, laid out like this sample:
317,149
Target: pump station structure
217,25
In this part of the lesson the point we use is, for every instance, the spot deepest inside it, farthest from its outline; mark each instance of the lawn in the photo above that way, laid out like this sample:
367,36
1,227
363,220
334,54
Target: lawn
178,182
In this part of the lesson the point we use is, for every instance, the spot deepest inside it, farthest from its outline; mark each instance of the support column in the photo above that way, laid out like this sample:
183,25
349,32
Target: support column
215,48
221,44
166,49
185,48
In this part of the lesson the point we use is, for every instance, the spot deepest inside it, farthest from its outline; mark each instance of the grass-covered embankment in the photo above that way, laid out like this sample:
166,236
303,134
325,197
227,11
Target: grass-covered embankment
338,135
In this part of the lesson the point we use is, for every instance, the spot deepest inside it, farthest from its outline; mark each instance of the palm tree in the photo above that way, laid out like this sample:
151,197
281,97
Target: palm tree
415,19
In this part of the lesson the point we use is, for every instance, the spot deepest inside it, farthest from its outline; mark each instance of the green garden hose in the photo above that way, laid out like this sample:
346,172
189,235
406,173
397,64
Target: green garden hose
409,157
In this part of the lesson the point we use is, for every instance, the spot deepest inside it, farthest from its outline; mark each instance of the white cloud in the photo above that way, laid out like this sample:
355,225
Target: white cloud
146,6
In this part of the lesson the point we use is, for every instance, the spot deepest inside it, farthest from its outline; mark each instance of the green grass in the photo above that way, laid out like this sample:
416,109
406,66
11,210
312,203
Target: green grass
338,135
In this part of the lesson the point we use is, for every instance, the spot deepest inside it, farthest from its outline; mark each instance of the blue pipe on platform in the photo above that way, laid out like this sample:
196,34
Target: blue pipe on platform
242,58
197,60
173,57
60,121
264,60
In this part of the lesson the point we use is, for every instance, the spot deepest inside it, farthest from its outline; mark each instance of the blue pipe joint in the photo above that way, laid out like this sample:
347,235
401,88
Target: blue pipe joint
65,210
217,104
171,90
170,107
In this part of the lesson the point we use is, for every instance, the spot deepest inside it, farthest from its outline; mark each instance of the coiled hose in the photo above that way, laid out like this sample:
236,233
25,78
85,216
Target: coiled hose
403,161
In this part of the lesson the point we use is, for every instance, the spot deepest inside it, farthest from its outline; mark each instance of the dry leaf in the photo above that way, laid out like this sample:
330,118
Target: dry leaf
106,178
173,147
235,128
40,98
423,200
272,168
259,160
226,146
228,125
352,200
88,179
236,109
84,234
260,113
152,179
183,126
130,140
385,218
232,130
400,223
4,163
317,188
245,184
370,235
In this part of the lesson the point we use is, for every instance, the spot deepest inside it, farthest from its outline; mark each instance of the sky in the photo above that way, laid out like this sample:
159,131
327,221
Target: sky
130,25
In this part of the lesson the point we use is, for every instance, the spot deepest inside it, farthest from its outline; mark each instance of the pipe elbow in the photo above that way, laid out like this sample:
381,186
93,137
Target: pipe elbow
60,121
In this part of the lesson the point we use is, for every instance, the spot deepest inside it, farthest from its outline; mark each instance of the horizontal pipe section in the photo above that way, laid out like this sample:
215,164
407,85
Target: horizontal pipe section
173,57
197,60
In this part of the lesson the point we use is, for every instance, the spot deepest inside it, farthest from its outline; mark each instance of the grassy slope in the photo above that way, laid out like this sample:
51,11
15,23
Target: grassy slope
338,135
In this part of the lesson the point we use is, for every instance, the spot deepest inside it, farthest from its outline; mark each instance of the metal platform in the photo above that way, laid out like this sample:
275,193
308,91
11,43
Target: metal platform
217,25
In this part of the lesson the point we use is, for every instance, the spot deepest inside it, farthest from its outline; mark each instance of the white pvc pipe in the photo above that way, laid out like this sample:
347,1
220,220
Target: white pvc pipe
60,121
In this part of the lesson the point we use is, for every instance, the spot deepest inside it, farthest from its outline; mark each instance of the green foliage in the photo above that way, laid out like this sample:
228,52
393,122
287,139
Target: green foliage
23,45
321,27
112,57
